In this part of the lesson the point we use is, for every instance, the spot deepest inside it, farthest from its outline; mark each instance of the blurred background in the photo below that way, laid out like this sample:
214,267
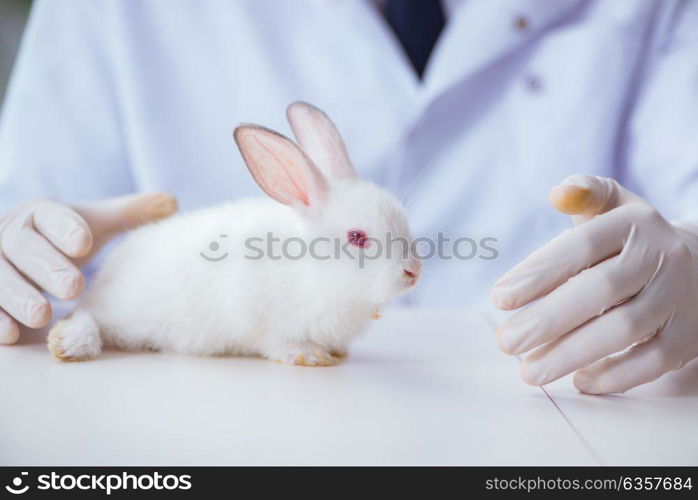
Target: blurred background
13,15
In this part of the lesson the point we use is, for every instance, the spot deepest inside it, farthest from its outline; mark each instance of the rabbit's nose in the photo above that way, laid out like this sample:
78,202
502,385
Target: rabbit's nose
410,274
413,269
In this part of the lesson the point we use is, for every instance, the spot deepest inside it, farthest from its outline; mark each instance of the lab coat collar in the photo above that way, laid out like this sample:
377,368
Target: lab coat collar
480,32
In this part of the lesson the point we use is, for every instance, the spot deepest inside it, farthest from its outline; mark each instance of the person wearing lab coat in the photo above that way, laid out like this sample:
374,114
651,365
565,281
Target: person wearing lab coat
113,98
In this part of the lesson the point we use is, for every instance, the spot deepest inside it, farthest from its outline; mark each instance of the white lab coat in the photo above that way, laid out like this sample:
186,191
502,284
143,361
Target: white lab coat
110,97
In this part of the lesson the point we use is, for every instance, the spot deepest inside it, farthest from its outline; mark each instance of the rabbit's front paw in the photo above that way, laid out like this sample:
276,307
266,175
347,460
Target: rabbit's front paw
75,338
305,355
339,352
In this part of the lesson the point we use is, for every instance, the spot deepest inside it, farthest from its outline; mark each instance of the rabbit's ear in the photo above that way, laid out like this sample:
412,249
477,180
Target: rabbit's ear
280,167
320,139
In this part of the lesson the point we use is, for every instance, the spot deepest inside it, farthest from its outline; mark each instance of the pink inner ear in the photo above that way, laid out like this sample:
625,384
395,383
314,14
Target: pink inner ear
284,180
278,166
320,139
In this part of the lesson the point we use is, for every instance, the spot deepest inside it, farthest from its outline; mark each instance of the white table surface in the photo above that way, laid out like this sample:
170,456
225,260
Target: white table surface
422,387
653,424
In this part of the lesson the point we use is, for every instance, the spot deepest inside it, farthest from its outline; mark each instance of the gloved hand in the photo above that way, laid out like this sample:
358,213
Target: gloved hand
623,281
43,243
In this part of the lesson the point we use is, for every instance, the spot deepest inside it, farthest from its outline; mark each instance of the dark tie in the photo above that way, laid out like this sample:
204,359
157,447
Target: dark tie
417,24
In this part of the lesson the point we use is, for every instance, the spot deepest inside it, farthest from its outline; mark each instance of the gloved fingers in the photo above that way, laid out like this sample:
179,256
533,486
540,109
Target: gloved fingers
581,298
63,227
563,257
109,217
607,334
585,196
638,365
40,261
9,331
21,300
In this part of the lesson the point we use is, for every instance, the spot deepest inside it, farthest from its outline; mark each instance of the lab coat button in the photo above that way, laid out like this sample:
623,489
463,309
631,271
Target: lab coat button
533,83
520,23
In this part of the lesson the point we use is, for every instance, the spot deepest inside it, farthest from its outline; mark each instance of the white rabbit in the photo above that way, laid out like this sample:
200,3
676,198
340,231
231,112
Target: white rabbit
199,283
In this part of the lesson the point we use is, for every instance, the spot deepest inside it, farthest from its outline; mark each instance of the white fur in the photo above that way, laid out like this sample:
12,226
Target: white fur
156,291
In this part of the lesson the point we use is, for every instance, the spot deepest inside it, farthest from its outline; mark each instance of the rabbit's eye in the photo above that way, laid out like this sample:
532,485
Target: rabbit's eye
357,237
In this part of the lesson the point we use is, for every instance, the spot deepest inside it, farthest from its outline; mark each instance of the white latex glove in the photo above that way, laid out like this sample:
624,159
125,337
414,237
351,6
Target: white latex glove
624,279
43,243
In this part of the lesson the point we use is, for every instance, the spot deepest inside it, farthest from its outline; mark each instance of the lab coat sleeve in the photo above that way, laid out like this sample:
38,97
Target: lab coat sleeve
662,150
60,135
